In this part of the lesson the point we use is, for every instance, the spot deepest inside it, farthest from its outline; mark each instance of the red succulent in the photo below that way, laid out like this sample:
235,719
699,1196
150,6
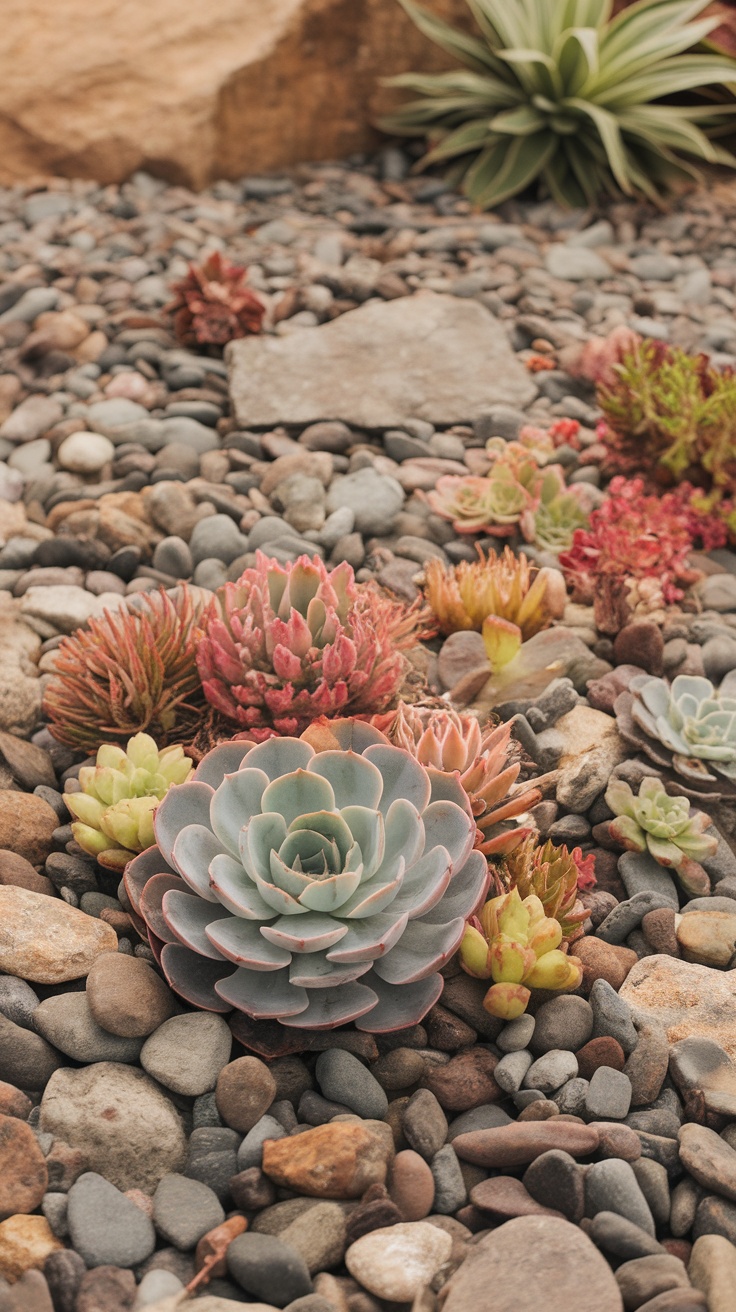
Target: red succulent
213,305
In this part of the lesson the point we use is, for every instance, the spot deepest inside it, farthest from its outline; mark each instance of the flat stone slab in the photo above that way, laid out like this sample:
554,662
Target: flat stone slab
427,356
684,999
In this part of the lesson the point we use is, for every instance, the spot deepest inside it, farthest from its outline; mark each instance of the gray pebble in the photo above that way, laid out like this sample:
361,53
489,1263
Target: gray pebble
609,1095
511,1069
187,1053
516,1034
628,915
450,1192
267,1268
345,1079
217,537
172,556
106,1228
66,1021
17,1001
640,873
549,1072
611,1186
571,1097
612,1016
250,1152
424,1124
563,1022
184,1210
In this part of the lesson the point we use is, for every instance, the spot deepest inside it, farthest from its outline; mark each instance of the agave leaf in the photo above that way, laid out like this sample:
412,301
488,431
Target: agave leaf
521,121
464,140
610,135
536,70
576,53
469,50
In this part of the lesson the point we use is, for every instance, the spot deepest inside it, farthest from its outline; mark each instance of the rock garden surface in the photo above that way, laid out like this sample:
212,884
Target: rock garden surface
580,1154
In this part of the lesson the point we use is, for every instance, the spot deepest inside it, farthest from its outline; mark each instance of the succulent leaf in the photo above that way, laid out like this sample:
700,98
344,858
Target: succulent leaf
664,825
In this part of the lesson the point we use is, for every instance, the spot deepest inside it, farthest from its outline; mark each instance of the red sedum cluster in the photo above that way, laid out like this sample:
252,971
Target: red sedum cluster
213,306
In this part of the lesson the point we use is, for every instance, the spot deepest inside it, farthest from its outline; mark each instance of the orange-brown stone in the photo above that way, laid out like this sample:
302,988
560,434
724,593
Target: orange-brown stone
23,1173
339,1160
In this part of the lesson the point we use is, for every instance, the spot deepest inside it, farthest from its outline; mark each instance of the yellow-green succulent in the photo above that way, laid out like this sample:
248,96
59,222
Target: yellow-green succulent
119,794
516,945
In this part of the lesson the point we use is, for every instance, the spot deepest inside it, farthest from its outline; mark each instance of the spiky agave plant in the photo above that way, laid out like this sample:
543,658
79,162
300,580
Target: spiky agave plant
132,670
563,94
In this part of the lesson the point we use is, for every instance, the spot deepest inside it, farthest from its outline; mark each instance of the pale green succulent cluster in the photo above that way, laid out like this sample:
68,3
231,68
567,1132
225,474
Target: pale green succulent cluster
119,794
664,826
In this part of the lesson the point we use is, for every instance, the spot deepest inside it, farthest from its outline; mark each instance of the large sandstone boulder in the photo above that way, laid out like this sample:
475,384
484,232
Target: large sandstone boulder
193,92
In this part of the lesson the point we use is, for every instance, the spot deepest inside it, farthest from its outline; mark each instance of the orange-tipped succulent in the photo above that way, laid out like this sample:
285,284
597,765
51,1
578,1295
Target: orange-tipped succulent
513,942
213,305
505,586
554,875
443,740
132,670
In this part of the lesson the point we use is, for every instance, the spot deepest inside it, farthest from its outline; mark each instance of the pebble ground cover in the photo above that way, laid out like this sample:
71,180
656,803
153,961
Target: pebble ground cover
367,750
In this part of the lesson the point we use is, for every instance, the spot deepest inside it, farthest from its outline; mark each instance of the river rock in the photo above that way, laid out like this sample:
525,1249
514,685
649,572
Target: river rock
338,1160
27,824
683,998
533,1262
397,1262
43,938
23,1173
122,1122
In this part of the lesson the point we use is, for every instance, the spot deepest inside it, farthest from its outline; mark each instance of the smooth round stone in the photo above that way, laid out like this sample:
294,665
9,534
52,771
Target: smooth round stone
250,1152
620,1237
708,937
612,1016
489,1117
709,1159
217,538
397,1262
449,1182
172,556
142,1141
517,1034
645,1277
85,453
603,1051
319,1235
562,1023
374,498
267,1268
399,1069
17,1001
346,1080
127,997
609,1095
412,1185
511,1070
549,1072
67,1022
23,1171
106,1228
155,1286
555,1180
245,1090
184,1210
611,1186
424,1124
45,940
187,1053
26,1060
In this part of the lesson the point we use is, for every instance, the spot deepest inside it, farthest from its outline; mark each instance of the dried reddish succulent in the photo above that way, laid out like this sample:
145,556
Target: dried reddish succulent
485,761
213,305
632,558
288,644
133,670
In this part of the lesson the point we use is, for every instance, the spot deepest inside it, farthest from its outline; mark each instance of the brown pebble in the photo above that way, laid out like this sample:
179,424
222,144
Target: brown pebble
252,1190
339,1160
23,1174
446,1032
604,1051
108,1287
659,930
647,1067
518,1144
375,1211
13,1102
127,997
681,1248
400,1069
16,870
466,1081
640,643
245,1090
64,1164
25,1242
617,1140
541,1110
411,1185
603,961
215,1244
505,1196
27,825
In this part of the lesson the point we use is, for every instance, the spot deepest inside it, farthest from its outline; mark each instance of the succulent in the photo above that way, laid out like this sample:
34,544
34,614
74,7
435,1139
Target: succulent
688,726
479,505
313,887
514,943
564,95
675,412
287,644
119,794
213,306
633,556
482,759
554,875
665,827
507,586
554,522
131,670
